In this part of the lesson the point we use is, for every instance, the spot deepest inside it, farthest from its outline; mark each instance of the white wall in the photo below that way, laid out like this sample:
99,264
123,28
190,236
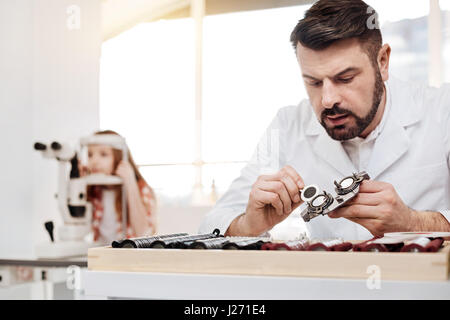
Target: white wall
15,124
48,90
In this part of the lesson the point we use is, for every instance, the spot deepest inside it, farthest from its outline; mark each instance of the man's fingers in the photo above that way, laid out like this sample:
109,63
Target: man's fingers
292,188
286,184
355,211
279,188
271,198
295,176
291,179
372,186
287,170
366,199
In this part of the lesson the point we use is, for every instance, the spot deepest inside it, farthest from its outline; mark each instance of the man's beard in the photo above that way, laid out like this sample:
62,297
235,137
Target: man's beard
343,132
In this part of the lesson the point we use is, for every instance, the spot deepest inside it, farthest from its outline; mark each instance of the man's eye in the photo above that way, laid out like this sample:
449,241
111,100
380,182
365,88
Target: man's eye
346,80
315,83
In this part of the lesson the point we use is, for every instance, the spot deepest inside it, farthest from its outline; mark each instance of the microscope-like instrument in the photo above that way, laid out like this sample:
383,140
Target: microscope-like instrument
73,204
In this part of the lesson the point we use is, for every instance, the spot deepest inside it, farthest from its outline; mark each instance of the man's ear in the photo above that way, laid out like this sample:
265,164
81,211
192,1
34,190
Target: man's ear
383,61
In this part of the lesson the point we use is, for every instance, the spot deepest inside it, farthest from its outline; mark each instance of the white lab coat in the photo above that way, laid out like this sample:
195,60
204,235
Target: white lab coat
412,153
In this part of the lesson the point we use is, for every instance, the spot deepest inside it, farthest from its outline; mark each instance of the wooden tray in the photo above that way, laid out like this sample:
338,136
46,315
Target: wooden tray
392,265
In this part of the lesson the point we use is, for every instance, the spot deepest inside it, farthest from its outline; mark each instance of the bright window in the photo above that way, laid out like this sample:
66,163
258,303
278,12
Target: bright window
147,94
404,26
250,72
147,90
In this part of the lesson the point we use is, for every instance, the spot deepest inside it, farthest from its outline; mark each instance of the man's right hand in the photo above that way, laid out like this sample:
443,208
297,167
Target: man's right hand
272,199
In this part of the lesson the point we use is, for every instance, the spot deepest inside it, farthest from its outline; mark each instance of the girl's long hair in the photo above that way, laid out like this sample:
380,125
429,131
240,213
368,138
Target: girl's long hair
117,155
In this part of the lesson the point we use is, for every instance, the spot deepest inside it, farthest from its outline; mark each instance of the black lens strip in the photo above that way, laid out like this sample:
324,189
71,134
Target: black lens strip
183,241
245,244
214,243
140,242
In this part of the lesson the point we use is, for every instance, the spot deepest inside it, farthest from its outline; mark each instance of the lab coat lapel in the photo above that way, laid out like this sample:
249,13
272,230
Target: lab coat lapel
389,147
393,141
329,150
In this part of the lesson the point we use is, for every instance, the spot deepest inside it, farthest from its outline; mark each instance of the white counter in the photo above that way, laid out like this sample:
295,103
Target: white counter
101,284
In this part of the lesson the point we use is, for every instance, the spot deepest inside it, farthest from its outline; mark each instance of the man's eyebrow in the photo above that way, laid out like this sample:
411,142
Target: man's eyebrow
310,77
349,69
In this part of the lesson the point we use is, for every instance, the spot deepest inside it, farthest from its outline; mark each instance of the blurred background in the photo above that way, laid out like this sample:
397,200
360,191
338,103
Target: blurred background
191,85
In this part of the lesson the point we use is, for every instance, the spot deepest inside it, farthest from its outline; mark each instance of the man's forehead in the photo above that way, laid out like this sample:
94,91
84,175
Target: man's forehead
341,56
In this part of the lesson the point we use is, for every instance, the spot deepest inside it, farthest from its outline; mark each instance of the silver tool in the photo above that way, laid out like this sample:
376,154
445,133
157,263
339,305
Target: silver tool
322,203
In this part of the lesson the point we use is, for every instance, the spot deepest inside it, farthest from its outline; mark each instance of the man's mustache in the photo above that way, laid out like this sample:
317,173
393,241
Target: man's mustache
336,110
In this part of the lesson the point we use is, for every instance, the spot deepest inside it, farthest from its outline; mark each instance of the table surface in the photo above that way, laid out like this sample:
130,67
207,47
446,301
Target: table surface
80,261
183,286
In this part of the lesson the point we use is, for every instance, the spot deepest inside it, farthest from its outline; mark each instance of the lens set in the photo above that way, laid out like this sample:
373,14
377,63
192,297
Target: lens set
322,203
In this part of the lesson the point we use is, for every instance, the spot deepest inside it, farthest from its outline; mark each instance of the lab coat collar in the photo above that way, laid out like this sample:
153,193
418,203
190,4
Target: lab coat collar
393,142
405,107
390,145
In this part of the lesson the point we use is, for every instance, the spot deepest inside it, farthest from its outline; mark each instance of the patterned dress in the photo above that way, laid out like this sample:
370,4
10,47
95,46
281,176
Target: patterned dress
98,212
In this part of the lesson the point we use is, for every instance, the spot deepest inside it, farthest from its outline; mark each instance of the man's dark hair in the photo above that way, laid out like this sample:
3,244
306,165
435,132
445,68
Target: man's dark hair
328,21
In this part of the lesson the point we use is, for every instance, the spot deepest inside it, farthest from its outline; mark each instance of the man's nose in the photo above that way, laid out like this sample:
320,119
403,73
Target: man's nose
330,95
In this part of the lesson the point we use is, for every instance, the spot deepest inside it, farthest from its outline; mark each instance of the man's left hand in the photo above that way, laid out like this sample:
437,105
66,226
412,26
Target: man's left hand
378,208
